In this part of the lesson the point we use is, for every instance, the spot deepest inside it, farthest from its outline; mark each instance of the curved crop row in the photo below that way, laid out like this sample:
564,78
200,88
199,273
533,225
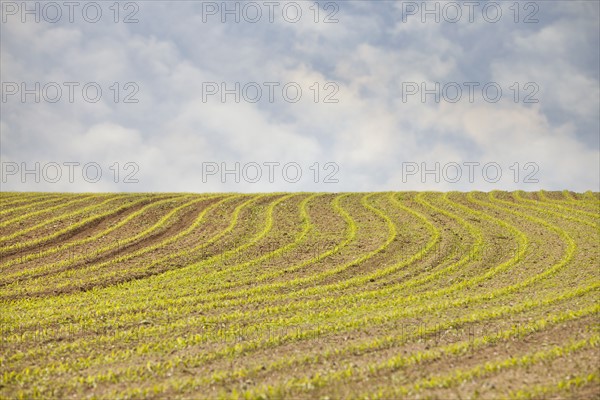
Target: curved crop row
300,295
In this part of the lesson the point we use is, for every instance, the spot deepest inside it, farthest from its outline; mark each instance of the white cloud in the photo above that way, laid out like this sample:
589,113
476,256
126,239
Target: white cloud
370,132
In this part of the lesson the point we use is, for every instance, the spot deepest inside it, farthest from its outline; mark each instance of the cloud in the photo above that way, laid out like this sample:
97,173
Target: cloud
362,62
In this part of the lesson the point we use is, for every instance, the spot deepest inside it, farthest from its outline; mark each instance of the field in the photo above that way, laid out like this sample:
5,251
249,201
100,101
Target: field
300,295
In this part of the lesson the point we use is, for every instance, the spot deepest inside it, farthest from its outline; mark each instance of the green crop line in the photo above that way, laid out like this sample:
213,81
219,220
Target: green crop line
365,348
23,201
392,364
332,288
75,260
349,237
472,252
212,240
315,277
563,386
496,293
213,277
56,214
68,275
213,259
99,235
10,195
493,313
416,281
73,214
403,263
593,198
31,204
421,254
233,223
565,193
488,368
73,227
588,200
571,203
228,270
71,280
332,271
403,361
407,300
378,319
49,210
370,321
237,211
571,245
300,295
564,214
351,234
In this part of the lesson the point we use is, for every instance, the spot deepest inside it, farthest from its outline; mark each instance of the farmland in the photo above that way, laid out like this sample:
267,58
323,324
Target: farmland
300,295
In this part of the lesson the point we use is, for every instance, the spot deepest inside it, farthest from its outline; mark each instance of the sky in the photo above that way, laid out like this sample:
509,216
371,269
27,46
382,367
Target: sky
327,96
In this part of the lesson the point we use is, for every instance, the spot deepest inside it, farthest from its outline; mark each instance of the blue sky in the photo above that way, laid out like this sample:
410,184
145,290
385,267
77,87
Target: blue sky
370,59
